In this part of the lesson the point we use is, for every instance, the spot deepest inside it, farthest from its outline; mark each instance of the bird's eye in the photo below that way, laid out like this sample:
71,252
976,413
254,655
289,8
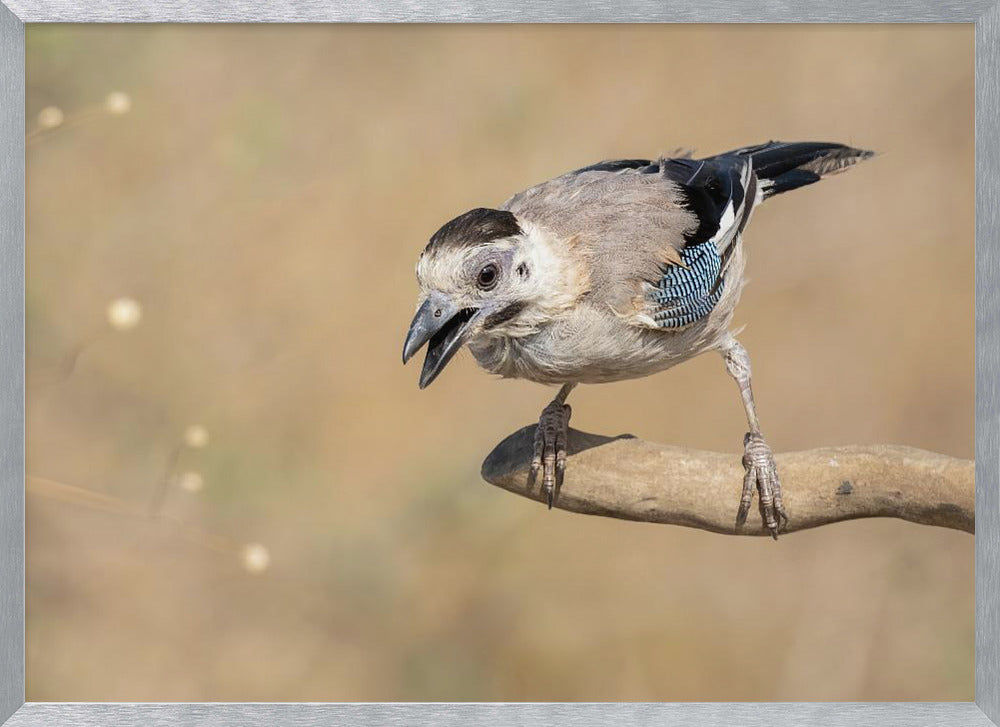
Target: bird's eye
488,276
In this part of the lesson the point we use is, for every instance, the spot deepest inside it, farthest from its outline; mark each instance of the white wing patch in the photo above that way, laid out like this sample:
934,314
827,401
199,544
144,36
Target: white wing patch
734,221
727,221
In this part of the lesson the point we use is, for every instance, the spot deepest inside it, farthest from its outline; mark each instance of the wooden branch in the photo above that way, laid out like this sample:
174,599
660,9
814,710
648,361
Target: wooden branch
631,479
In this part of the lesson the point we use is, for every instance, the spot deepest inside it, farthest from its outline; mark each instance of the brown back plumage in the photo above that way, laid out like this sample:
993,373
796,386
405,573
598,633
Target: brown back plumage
628,224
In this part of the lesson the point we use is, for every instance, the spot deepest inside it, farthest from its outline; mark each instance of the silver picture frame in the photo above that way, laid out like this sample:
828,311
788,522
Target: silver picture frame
985,14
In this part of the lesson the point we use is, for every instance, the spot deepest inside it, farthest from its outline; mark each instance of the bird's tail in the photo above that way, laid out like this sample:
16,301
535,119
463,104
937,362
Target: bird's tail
782,166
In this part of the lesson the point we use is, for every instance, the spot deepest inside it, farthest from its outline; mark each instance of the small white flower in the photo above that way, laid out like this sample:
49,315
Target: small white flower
118,103
196,436
256,558
124,314
191,482
50,117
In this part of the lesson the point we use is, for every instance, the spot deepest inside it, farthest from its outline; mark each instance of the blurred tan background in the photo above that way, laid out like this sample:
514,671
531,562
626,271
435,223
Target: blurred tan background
262,193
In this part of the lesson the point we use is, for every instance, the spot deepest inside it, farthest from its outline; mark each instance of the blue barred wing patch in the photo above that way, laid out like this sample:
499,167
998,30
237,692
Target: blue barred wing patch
688,293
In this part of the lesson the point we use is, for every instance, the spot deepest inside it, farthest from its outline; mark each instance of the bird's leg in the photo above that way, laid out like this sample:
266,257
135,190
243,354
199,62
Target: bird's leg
758,460
550,445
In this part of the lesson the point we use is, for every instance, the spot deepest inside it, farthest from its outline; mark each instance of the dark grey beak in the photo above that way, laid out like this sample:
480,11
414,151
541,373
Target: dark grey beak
444,328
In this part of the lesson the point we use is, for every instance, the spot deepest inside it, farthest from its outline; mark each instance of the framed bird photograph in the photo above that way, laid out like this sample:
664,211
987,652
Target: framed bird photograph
520,373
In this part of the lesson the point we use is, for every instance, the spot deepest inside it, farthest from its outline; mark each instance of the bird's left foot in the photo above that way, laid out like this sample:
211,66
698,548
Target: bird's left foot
550,449
761,475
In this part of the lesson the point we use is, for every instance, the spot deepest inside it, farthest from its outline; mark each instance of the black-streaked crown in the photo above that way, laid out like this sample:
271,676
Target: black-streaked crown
475,227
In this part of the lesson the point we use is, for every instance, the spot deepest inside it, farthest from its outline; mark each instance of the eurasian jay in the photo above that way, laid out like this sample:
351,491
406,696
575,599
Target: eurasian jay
610,272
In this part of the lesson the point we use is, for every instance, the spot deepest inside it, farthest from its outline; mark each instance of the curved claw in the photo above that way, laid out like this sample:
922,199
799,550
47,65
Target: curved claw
762,475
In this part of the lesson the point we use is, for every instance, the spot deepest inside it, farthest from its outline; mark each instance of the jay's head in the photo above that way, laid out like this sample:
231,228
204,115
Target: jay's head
483,274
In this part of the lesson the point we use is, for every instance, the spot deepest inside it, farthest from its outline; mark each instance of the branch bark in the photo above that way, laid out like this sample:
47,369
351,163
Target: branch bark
628,478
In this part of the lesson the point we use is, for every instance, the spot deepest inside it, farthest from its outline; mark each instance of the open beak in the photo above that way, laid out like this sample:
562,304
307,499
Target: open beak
444,328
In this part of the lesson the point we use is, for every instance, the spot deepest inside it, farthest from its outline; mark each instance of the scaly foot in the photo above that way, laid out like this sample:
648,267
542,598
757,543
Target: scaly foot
762,475
550,449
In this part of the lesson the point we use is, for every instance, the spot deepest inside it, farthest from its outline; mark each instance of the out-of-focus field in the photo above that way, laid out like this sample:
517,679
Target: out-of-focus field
264,200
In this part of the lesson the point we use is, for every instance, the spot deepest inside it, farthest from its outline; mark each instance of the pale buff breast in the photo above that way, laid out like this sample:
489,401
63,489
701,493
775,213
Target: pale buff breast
591,344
